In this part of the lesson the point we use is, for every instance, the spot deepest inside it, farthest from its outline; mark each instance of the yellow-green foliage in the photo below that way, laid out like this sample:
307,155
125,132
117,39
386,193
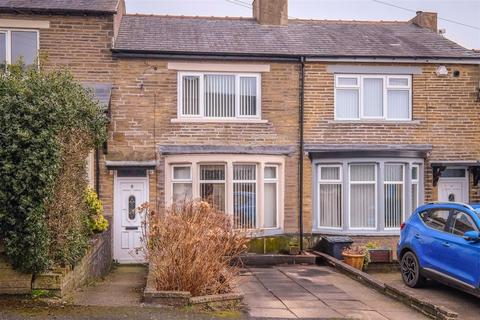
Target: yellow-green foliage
98,223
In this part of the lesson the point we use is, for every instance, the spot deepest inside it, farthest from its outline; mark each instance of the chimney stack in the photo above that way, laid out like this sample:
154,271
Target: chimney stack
271,12
426,20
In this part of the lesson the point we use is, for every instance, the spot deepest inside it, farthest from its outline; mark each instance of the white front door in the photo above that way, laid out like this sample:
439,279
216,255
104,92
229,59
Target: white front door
130,193
453,189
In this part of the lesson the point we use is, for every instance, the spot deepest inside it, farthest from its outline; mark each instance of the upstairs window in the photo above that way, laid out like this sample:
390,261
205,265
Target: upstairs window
219,96
18,45
373,97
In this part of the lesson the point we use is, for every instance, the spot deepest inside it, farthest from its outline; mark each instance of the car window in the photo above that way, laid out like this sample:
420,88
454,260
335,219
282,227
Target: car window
436,218
462,223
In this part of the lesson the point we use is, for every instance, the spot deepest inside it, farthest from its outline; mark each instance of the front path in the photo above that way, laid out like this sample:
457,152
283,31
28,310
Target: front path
316,292
122,287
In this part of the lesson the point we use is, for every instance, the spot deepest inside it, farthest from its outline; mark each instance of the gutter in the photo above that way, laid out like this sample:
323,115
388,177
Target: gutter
302,147
146,54
97,172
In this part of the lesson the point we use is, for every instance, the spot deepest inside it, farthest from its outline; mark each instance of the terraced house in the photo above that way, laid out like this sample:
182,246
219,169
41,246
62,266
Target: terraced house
291,126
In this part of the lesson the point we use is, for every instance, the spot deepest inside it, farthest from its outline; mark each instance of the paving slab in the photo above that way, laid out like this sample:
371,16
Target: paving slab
122,287
316,292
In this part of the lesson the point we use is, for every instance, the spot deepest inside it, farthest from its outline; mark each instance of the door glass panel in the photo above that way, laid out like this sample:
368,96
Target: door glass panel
436,219
462,223
131,207
453,173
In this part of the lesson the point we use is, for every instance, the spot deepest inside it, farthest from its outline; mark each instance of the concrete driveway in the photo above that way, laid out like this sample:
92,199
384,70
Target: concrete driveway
317,292
467,306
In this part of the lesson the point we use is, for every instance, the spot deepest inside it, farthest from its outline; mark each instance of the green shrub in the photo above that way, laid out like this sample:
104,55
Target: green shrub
97,221
41,113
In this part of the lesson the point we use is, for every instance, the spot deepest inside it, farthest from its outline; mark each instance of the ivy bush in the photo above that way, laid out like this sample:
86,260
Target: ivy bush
41,114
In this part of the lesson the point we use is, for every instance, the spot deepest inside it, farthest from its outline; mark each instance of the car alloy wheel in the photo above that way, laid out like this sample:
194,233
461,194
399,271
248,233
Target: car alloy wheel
411,270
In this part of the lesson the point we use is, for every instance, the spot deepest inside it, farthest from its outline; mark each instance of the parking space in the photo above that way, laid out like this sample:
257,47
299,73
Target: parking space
316,292
466,305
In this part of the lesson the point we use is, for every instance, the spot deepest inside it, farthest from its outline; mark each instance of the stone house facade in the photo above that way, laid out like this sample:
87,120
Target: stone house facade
290,126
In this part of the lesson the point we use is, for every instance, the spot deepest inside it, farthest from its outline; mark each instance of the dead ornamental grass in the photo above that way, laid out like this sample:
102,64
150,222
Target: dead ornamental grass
192,247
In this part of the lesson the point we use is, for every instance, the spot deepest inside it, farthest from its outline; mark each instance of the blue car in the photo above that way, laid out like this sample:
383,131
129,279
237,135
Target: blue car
441,241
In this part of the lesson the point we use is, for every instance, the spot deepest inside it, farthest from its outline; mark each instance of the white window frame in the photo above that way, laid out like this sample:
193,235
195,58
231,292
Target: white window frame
415,182
277,195
183,181
201,114
403,183
350,183
386,87
233,181
224,181
328,182
8,40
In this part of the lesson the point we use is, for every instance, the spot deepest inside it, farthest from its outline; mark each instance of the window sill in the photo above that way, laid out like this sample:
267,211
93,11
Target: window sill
372,233
180,120
392,122
256,233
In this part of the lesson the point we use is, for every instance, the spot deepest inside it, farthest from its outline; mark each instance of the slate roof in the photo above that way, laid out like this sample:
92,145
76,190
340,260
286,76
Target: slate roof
244,36
60,6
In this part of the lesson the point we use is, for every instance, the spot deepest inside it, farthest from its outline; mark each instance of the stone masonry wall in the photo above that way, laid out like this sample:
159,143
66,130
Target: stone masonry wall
445,115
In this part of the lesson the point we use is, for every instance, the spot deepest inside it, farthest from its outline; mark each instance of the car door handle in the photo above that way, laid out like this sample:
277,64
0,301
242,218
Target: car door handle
446,244
417,236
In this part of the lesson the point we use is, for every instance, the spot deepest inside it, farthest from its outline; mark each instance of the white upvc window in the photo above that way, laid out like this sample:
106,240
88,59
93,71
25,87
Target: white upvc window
394,198
415,189
219,95
363,196
366,195
270,196
181,183
247,187
19,44
330,196
373,97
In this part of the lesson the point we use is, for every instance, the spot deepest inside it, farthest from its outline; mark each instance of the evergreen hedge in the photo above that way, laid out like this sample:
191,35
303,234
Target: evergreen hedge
37,109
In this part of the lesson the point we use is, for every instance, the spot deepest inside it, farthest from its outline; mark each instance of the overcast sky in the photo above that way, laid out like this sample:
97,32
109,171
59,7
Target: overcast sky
452,13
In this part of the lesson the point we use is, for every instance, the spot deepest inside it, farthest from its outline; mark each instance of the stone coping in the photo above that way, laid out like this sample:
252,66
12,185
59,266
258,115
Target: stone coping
265,260
226,301
420,304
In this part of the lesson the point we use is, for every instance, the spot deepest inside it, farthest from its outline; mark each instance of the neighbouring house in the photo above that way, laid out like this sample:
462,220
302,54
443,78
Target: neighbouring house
291,126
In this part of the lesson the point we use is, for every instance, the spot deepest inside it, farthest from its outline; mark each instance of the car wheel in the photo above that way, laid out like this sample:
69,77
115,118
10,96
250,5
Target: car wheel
410,269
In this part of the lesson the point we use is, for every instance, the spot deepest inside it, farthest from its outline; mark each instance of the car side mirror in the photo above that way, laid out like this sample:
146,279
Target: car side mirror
472,236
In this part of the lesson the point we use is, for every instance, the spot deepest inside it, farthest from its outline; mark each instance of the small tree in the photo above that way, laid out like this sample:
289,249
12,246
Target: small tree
47,119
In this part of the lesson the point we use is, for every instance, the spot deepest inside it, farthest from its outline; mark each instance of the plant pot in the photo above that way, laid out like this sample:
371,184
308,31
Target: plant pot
380,255
294,250
354,260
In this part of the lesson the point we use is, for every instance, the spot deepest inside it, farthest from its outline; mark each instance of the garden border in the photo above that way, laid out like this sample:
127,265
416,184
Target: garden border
421,305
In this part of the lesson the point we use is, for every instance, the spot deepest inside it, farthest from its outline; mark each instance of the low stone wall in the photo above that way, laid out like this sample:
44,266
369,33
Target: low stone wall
154,297
61,281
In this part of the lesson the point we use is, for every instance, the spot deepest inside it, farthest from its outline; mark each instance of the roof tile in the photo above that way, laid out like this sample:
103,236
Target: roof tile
244,36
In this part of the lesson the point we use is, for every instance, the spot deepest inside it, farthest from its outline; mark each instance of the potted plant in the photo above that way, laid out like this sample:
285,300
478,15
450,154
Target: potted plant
379,254
355,256
294,246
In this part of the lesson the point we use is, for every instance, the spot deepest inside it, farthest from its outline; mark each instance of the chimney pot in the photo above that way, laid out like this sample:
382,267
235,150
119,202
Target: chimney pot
426,20
271,12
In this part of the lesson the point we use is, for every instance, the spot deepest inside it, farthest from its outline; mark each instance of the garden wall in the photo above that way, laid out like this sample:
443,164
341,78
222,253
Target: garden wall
59,282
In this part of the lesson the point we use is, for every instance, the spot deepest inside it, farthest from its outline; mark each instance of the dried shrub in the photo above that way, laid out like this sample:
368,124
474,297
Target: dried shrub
193,248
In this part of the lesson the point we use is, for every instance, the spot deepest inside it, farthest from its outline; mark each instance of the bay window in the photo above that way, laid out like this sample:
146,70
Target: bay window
18,45
373,97
249,188
366,195
218,95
